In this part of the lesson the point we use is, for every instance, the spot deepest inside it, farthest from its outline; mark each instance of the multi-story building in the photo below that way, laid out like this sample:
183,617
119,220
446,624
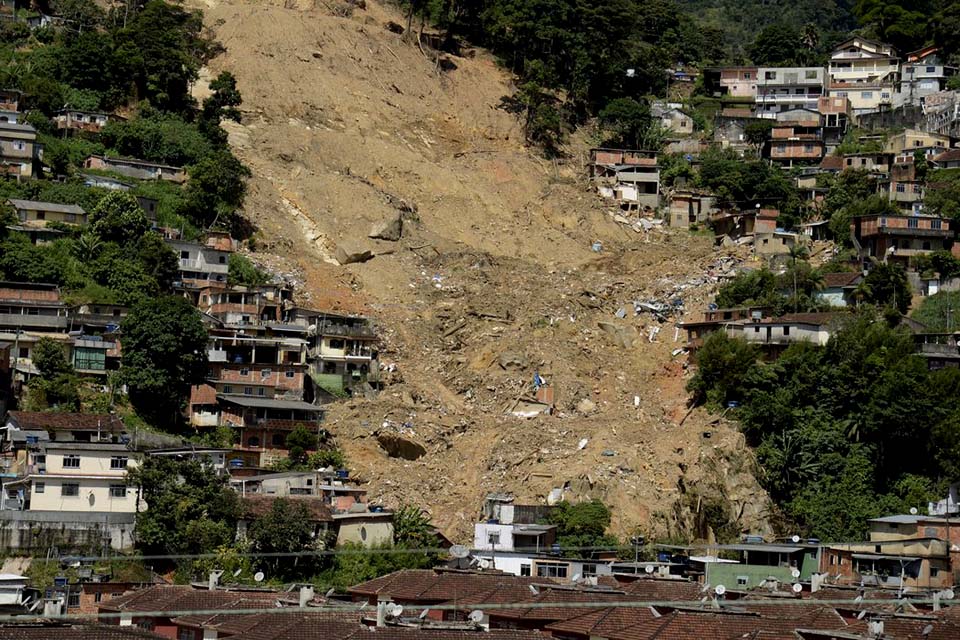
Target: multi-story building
203,264
899,238
865,72
922,74
627,175
836,116
797,142
785,88
70,481
243,305
912,140
20,152
739,82
903,187
343,349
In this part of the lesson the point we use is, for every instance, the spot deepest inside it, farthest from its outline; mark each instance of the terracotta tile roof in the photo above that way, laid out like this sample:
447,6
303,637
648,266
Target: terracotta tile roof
821,318
706,625
72,631
184,598
562,597
203,394
841,279
53,421
259,506
832,163
433,586
603,622
948,156
663,589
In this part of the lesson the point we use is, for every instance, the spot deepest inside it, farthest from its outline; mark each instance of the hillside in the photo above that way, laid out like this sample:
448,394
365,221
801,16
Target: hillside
346,126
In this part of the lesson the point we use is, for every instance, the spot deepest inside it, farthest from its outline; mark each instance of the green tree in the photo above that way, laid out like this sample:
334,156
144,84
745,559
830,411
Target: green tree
888,286
751,288
757,133
215,190
299,442
50,358
57,386
286,528
222,103
582,526
164,352
412,528
628,121
777,45
722,366
241,270
119,218
190,509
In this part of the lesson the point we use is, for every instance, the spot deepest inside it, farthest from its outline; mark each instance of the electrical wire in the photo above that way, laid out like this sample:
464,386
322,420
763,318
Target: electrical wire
711,605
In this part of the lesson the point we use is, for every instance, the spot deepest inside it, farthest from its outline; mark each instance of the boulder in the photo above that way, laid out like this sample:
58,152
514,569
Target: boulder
398,446
513,360
586,406
348,255
390,229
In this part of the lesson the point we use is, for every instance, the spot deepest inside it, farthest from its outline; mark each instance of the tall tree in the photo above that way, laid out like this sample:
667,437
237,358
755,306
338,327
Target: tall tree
164,352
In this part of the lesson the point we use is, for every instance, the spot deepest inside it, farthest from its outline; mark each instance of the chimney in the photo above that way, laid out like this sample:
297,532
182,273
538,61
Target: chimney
306,595
875,628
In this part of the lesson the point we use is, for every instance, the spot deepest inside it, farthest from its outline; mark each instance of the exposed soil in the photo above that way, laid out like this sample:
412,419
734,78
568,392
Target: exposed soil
347,126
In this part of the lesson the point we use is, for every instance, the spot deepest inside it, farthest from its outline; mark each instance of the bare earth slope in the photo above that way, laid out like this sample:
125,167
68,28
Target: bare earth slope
494,279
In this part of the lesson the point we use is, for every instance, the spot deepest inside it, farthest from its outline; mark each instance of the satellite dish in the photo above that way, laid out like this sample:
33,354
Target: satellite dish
396,610
720,590
576,577
858,599
484,563
797,587
424,613
949,594
649,568
795,539
913,511
926,630
534,590
654,612
237,572
459,551
259,576
476,616
861,615
795,573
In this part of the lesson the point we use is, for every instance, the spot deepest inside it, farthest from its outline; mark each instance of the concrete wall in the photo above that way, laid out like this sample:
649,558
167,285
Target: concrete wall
482,532
369,532
67,530
93,496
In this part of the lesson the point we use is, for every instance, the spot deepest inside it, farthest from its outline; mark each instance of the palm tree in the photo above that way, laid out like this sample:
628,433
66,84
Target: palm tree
810,38
861,292
797,252
87,246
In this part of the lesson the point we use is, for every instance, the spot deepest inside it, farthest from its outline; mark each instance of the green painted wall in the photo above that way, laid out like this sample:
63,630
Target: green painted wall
727,574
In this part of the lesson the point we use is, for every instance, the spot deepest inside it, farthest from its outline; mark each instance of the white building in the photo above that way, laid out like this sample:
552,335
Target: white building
865,72
787,88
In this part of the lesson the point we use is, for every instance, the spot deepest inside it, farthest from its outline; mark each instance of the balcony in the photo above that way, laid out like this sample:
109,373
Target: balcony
26,320
349,331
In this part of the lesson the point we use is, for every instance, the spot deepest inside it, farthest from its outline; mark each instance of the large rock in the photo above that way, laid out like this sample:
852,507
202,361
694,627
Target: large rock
513,360
398,446
350,255
622,335
390,229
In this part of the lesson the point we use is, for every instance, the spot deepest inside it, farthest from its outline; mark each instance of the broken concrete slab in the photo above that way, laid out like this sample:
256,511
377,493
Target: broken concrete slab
398,446
513,360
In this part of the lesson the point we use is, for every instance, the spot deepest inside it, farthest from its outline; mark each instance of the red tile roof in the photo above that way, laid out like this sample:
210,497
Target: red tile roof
831,163
841,279
948,156
174,598
72,631
258,506
53,421
435,586
562,598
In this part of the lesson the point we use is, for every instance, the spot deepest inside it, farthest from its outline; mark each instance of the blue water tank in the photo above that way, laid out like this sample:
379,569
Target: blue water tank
343,474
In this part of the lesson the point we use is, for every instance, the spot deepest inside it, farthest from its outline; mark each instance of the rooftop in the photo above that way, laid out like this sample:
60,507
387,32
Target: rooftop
51,421
256,506
46,206
268,403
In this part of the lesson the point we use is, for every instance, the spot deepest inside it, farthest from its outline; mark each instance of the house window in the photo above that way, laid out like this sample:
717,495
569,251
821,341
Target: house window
73,599
19,146
935,224
266,373
913,223
810,74
118,491
71,462
808,148
742,581
926,245
866,95
261,391
24,352
786,331
248,391
228,389
289,374
185,634
363,533
901,188
244,372
118,462
884,94
916,188
551,570
770,75
184,255
746,76
277,440
39,487
253,441
934,572
70,489
98,596
930,532
524,570
493,539
336,344
931,69
223,259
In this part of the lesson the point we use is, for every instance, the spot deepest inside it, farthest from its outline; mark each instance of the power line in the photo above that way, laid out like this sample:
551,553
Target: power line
710,606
